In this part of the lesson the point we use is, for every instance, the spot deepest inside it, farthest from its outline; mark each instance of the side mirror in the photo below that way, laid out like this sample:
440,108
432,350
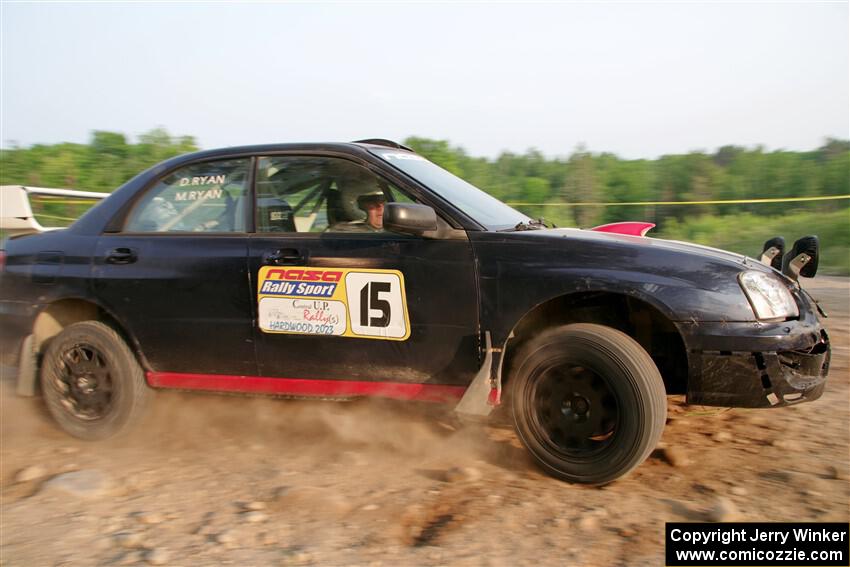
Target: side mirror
409,218
802,260
771,254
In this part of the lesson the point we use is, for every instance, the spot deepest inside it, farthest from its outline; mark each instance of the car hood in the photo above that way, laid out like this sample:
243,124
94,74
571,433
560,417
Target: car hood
556,237
686,281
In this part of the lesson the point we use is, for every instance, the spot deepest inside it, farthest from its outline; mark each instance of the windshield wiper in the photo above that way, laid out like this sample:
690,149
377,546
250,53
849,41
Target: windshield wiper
529,225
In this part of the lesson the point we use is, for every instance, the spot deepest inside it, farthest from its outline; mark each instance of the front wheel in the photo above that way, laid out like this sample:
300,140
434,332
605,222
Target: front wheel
588,402
92,384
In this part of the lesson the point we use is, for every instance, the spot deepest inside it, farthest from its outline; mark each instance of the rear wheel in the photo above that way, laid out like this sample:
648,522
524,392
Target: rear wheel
588,402
92,384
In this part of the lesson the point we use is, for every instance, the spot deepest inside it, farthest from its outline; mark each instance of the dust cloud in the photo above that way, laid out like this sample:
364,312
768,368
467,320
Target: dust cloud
210,479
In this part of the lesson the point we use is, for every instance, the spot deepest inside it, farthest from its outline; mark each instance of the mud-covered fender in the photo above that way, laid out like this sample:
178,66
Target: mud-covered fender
643,293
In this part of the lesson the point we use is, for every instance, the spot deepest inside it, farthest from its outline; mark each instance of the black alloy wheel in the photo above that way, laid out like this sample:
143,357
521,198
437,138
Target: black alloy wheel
85,381
588,402
576,411
92,383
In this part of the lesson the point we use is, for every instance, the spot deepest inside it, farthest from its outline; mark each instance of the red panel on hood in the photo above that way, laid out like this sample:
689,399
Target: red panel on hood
630,228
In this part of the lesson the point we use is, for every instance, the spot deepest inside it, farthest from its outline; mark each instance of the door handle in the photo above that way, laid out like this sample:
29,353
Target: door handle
121,256
284,257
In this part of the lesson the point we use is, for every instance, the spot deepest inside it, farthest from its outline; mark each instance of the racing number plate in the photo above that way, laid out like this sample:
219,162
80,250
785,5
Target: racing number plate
358,303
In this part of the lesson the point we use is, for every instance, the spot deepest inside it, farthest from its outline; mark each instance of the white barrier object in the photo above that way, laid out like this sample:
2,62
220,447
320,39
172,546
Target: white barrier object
16,216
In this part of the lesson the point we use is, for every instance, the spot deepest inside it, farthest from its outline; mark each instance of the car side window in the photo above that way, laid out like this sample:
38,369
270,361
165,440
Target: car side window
202,197
320,194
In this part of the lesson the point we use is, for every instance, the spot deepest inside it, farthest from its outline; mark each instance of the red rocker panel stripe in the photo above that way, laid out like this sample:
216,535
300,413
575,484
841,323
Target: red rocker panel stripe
302,387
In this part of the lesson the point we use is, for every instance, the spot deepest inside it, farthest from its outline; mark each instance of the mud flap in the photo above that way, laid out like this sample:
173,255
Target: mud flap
27,368
476,399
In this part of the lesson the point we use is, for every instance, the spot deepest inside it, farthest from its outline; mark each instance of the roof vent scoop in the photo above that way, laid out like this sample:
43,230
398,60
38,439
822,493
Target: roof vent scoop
383,142
802,260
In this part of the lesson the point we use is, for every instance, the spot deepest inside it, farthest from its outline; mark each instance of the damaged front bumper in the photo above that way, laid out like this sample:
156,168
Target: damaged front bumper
756,364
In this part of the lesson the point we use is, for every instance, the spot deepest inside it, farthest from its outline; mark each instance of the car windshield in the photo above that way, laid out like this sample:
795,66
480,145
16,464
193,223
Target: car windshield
483,208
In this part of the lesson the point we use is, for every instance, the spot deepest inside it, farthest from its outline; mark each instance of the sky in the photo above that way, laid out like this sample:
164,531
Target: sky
636,79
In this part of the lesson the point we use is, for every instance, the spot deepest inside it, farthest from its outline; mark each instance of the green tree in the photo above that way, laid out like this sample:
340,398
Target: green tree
581,186
438,151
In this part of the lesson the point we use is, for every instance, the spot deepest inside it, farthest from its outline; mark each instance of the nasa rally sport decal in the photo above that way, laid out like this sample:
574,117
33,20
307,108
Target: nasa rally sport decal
358,303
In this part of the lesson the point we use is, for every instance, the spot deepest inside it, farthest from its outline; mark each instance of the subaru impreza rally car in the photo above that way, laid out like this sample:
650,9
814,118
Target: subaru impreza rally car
246,270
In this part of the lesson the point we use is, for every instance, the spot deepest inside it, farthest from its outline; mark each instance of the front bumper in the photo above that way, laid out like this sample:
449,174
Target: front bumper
756,364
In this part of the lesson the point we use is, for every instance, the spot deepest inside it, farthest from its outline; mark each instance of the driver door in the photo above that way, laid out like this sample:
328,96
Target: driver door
338,301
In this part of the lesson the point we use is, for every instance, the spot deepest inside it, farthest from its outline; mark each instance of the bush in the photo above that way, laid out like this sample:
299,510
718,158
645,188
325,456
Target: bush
745,233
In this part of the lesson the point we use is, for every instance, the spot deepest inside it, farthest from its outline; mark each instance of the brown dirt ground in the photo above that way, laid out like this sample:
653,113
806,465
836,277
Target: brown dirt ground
364,483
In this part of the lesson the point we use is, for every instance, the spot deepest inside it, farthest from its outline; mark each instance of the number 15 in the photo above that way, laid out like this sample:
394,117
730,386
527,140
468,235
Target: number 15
370,299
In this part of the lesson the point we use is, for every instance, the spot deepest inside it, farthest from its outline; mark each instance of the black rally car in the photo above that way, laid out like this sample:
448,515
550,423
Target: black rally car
346,270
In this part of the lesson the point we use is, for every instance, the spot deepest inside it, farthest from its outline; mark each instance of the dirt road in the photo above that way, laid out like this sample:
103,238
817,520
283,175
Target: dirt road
225,480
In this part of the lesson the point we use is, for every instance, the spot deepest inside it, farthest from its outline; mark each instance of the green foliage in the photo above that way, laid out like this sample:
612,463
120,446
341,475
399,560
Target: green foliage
746,233
553,185
102,165
438,151
731,173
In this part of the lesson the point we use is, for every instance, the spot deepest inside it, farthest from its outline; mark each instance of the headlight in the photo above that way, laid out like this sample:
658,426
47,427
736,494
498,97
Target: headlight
769,298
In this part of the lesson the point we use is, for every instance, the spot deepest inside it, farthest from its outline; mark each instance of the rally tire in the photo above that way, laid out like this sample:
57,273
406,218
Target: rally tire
92,383
588,402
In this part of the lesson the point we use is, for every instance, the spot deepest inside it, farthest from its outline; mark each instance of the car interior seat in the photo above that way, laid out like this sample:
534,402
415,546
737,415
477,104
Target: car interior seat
275,215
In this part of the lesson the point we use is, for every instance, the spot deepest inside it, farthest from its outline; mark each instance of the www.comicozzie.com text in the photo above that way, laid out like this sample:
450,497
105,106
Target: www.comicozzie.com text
756,534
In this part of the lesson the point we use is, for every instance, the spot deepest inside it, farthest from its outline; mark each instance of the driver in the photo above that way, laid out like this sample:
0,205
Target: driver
372,204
